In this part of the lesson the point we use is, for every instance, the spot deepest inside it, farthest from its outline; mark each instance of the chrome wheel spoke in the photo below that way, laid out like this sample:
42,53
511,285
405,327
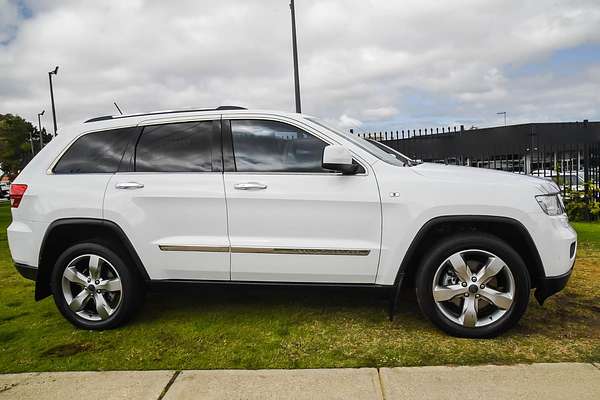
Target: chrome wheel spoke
460,267
468,316
102,307
110,285
499,299
100,281
94,266
74,276
472,297
80,300
445,293
491,269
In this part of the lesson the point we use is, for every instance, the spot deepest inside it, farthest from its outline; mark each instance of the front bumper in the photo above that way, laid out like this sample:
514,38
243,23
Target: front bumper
551,285
27,271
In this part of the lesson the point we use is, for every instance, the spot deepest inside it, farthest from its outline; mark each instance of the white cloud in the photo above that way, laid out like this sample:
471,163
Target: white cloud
346,122
363,63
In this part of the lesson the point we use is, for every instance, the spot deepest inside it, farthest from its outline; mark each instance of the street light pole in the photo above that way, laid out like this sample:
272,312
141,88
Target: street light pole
40,128
31,143
52,96
500,113
295,51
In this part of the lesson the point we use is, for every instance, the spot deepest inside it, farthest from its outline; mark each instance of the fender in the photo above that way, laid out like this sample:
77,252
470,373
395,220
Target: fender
537,267
42,287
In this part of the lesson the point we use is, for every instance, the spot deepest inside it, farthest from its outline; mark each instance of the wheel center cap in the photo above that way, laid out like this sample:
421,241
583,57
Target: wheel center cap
473,288
91,288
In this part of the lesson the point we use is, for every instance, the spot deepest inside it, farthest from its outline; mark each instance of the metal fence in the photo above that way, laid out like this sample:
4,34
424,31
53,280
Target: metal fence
532,149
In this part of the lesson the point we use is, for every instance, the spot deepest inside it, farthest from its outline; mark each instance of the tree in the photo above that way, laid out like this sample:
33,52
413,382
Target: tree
15,147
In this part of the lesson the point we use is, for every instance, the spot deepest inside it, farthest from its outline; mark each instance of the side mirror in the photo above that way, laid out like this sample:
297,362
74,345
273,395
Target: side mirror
338,158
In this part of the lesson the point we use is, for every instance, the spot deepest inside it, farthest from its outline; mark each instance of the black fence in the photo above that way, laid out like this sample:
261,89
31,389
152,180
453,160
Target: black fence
567,153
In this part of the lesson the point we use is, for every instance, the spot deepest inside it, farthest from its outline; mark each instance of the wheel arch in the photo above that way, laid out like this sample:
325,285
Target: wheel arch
63,233
508,229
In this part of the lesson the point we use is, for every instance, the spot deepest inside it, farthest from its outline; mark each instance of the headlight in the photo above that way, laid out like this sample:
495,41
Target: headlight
551,204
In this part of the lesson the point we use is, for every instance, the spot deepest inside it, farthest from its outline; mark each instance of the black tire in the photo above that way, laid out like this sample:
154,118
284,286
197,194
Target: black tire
132,294
482,241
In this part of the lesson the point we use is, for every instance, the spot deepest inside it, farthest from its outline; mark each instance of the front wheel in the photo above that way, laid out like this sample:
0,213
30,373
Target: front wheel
94,288
473,286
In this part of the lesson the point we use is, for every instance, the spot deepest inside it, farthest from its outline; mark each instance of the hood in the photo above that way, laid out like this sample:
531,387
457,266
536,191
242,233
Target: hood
453,173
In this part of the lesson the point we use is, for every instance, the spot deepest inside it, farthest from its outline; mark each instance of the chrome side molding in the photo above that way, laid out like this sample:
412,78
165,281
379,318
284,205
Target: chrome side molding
267,250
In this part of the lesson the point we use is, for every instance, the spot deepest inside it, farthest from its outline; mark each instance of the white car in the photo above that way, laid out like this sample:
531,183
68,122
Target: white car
247,196
571,180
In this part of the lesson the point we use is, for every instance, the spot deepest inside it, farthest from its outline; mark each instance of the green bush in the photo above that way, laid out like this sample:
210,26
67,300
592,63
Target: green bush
583,206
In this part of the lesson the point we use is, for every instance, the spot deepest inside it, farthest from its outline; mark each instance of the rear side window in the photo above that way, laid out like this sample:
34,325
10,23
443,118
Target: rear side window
97,152
270,146
183,147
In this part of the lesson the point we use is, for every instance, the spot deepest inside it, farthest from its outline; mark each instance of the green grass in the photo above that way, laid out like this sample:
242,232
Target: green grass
282,328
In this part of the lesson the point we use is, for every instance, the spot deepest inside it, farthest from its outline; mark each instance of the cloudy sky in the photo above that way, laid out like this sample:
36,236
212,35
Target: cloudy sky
363,63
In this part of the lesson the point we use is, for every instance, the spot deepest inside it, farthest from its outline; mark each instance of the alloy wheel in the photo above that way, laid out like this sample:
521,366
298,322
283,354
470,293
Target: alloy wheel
92,287
473,288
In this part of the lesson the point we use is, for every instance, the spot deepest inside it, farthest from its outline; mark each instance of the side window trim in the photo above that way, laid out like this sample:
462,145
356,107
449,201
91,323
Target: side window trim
227,140
55,163
127,163
229,157
216,146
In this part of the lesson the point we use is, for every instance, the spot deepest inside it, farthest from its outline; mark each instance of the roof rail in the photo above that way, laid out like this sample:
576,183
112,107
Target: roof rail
108,117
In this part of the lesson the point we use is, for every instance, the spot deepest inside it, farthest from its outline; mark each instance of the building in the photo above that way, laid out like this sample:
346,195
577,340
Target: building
564,151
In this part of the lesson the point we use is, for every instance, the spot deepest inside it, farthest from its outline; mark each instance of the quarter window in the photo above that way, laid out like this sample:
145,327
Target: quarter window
97,152
270,146
184,147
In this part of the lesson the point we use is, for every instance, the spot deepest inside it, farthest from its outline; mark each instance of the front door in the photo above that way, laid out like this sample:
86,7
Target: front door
290,220
172,203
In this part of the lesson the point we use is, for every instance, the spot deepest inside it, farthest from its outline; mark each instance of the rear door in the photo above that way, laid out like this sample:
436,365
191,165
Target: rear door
171,201
290,220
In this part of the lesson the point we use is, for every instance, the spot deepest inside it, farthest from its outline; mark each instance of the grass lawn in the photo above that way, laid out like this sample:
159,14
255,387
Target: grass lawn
284,328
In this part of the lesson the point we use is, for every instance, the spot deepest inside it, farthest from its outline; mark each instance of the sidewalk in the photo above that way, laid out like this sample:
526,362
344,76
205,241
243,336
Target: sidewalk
531,382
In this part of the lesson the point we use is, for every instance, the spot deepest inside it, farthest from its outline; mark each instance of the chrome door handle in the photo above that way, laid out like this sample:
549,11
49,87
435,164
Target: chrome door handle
250,186
129,185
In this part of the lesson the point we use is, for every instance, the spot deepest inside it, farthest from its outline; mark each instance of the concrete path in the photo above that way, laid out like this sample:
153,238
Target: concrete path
531,382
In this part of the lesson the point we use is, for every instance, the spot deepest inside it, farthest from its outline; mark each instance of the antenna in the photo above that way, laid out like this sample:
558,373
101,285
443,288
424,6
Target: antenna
116,105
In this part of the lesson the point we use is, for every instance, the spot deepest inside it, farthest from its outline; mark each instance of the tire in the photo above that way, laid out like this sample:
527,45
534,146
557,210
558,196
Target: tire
466,310
117,303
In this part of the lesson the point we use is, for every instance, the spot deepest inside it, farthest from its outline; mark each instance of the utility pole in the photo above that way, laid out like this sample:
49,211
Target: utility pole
40,128
500,113
31,143
52,96
295,51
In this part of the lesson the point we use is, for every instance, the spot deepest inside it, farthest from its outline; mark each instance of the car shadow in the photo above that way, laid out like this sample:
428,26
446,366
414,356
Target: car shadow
161,302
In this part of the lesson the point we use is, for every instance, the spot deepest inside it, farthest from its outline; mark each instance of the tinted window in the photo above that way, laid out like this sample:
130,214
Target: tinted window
185,147
98,152
275,147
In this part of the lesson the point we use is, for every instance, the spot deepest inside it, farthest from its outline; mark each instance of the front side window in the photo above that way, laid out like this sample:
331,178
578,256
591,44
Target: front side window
270,146
183,147
97,152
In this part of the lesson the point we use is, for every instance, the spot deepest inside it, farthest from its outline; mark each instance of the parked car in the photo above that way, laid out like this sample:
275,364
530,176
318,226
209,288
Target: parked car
571,180
4,190
254,197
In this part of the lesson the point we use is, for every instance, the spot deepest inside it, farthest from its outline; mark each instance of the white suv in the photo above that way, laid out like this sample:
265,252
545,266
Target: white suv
240,196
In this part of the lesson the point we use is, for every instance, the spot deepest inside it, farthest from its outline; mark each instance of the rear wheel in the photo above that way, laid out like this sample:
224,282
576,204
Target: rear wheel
473,286
94,288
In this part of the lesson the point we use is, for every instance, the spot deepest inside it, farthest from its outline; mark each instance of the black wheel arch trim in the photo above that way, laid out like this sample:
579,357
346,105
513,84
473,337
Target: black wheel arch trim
432,223
42,282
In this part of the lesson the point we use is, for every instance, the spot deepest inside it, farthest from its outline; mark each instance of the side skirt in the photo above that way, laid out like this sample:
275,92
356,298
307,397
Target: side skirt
161,283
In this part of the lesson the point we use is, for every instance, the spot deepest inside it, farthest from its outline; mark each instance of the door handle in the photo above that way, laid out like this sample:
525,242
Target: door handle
250,186
129,185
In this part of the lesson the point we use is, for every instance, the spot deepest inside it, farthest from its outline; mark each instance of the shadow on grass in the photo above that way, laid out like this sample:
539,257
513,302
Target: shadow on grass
163,302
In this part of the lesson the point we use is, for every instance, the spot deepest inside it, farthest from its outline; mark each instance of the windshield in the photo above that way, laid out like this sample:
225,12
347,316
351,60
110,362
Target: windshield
368,146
